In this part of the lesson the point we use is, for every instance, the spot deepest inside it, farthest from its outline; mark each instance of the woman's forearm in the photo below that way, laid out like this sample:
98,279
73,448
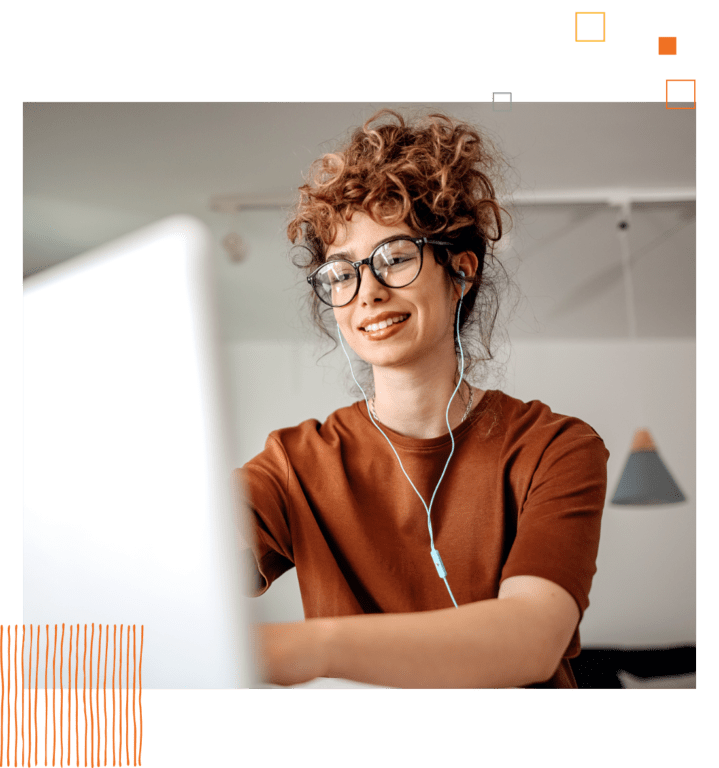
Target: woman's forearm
494,643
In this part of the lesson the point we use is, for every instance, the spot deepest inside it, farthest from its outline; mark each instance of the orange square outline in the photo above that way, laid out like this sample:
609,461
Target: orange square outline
674,52
668,37
604,27
681,81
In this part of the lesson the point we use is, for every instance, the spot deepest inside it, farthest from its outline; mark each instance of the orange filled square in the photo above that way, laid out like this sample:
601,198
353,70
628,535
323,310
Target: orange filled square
667,46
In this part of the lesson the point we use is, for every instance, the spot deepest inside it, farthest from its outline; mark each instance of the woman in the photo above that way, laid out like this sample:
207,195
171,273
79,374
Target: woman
444,536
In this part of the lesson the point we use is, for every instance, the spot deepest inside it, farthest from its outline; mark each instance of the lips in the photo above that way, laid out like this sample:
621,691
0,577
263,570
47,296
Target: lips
385,333
386,319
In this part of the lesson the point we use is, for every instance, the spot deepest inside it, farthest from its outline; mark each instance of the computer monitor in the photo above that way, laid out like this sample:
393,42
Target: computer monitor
128,514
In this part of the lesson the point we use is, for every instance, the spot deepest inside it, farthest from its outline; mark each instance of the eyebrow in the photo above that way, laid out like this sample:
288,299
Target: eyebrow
349,254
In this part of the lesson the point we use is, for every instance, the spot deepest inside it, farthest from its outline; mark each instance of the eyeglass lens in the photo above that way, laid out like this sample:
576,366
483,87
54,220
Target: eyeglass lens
397,262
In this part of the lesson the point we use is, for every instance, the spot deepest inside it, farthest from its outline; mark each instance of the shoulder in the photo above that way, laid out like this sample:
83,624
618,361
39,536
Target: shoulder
535,423
535,443
310,438
317,431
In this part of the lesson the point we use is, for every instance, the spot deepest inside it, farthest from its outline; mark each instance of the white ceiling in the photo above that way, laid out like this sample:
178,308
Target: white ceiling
97,171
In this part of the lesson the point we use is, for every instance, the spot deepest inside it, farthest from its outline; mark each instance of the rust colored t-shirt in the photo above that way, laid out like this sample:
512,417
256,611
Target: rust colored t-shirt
523,495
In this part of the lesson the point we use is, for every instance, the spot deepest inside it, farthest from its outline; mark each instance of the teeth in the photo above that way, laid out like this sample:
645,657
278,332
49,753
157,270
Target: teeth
386,323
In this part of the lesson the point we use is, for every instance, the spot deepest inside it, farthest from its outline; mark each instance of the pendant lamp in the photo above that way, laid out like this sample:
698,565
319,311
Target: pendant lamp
646,479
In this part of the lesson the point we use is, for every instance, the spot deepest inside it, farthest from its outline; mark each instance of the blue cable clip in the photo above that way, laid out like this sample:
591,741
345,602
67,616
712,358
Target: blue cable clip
439,565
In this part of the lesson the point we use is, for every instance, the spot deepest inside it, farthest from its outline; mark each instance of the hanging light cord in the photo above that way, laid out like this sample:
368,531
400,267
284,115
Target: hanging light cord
623,233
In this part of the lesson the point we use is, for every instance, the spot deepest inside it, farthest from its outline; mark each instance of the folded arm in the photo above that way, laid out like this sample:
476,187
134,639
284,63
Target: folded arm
513,640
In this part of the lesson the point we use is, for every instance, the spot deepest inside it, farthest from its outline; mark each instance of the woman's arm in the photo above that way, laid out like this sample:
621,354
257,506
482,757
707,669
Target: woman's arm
514,640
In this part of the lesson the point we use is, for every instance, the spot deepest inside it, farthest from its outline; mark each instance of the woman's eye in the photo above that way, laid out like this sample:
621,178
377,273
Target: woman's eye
342,277
395,261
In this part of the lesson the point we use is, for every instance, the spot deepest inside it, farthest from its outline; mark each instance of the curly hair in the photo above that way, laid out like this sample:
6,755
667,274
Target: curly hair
438,176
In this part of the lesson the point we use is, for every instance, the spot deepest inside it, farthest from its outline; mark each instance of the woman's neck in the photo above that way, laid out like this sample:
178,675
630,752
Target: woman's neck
416,406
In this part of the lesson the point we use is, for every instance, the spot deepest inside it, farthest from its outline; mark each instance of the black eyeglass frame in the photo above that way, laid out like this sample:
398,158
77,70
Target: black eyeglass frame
420,242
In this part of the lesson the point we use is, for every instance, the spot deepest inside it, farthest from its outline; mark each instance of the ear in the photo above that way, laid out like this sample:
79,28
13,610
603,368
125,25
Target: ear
468,262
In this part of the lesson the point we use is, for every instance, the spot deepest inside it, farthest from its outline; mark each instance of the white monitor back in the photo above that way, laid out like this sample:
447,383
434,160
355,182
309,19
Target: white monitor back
128,514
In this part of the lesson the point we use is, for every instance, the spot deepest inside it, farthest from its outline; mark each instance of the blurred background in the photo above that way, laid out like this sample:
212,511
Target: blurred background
618,353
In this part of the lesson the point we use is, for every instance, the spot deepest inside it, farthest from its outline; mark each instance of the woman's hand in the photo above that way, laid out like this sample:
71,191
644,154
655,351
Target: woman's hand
292,653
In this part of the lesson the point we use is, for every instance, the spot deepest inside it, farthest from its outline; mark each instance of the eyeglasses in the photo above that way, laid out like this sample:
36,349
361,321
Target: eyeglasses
395,263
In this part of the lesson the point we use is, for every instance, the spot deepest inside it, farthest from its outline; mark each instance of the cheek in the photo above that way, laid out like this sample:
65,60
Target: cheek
343,320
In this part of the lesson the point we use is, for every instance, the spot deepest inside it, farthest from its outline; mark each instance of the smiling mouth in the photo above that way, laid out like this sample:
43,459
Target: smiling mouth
374,328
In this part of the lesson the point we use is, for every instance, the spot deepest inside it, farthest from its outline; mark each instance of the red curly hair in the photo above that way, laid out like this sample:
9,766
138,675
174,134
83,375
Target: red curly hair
435,174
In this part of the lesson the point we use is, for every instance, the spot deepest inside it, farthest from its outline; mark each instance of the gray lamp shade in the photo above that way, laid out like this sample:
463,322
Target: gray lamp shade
645,479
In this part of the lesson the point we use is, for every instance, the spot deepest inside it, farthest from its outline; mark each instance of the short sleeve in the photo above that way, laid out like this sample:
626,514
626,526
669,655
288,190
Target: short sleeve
262,503
559,524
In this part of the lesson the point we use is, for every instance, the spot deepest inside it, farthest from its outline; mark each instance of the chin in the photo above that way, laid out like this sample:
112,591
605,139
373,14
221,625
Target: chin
384,359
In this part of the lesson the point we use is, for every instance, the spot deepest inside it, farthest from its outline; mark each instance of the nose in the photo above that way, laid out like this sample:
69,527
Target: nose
370,289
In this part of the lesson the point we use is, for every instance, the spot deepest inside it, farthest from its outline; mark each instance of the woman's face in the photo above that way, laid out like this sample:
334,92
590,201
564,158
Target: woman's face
428,302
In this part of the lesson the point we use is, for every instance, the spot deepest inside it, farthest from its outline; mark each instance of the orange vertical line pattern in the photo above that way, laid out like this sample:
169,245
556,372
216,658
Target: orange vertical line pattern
19,682
69,697
2,697
92,722
127,697
8,686
134,673
62,690
47,651
114,633
37,680
98,730
77,707
22,694
29,700
37,675
54,653
84,700
104,686
29,703
16,694
25,707
8,679
119,693
142,639
9,675
97,692
30,709
22,698
14,709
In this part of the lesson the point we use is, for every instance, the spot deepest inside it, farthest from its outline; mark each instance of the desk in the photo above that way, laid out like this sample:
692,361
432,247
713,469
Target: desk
332,682
326,682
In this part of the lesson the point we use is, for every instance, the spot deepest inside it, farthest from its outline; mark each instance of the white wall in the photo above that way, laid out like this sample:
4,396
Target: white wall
644,592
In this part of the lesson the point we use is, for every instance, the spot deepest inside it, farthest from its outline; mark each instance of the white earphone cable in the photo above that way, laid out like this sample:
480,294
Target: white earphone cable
435,554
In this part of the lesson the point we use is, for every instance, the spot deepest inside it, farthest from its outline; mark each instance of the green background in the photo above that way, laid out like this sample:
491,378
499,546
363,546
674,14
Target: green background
372,51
